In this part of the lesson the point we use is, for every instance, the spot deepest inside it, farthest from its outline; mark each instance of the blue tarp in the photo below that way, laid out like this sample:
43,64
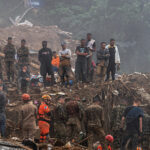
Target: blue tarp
35,3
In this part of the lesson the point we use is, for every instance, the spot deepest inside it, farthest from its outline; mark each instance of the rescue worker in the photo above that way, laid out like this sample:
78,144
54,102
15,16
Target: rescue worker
44,118
27,119
75,117
65,65
60,118
10,52
94,124
2,112
109,138
91,45
55,62
114,59
45,58
102,61
23,55
133,116
81,62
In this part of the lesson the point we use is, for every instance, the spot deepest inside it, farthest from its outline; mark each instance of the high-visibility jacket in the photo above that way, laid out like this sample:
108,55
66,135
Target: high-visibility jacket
43,121
56,61
43,111
109,147
99,147
138,148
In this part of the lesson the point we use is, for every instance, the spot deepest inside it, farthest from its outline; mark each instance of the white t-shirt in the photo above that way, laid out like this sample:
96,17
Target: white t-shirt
65,52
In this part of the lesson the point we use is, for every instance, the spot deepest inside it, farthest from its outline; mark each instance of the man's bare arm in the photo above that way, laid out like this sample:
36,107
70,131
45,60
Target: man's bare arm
122,122
140,124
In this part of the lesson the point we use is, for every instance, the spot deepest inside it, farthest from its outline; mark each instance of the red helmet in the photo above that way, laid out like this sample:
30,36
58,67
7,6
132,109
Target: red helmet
26,97
109,138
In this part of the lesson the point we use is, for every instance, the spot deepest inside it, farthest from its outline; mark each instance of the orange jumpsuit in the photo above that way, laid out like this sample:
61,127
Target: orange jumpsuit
99,147
43,122
109,147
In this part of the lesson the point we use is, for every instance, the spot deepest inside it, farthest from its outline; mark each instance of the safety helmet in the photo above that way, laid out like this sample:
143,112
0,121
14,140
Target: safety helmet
109,138
46,97
25,97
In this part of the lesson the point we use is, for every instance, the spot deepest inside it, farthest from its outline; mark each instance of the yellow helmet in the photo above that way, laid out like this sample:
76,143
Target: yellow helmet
46,97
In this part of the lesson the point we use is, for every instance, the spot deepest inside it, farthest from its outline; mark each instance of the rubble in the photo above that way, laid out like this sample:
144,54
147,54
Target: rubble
115,93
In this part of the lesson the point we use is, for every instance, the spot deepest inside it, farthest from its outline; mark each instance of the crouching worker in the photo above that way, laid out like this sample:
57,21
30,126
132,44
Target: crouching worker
94,123
24,78
44,118
28,115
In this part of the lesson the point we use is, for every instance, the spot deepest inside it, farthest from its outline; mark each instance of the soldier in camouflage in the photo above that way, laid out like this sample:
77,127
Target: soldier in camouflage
74,121
115,124
23,55
94,123
60,117
10,52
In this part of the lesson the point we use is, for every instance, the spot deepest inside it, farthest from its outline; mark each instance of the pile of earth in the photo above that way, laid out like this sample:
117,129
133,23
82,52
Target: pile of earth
35,35
114,96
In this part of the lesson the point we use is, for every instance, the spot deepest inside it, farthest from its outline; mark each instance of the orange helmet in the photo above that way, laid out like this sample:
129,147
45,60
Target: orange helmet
26,97
109,138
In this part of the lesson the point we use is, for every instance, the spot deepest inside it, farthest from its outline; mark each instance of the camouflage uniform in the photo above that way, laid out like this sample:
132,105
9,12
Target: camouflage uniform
94,122
115,124
60,118
75,116
23,57
10,52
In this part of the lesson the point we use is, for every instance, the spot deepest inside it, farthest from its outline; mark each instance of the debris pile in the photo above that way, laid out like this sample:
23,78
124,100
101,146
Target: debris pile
114,95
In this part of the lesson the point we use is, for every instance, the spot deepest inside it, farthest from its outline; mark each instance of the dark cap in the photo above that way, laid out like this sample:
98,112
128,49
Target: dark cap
96,98
23,40
63,43
9,38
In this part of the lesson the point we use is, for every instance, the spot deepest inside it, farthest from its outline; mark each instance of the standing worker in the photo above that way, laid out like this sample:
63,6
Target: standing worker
44,118
45,58
65,65
94,124
114,59
23,55
75,117
81,62
2,112
28,115
133,115
10,52
24,79
102,61
91,45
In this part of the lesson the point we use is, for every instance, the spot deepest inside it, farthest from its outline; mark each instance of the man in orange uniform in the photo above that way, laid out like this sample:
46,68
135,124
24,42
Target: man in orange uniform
55,62
44,118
